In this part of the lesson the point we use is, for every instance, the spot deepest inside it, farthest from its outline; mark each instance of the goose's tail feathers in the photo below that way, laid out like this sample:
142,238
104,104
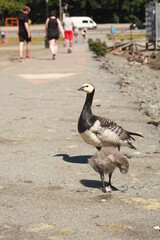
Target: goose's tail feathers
135,134
131,146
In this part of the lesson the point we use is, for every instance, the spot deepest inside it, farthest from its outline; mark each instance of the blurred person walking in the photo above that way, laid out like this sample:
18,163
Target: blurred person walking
68,31
3,37
112,32
84,33
53,27
76,34
24,33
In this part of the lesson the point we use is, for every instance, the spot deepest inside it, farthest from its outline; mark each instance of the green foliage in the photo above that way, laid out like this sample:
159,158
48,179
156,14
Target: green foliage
11,7
98,47
102,11
131,18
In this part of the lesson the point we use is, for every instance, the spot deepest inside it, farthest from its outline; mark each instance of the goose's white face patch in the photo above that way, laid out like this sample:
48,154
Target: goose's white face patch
99,136
88,88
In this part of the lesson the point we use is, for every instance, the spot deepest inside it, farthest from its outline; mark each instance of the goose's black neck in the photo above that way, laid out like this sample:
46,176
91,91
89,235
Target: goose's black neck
85,120
88,102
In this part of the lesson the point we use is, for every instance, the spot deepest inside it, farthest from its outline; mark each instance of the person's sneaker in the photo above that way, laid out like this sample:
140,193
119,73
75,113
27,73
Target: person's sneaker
69,50
54,56
28,57
21,59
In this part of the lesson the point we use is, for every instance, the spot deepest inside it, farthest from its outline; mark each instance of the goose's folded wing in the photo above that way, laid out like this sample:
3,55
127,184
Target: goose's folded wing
112,126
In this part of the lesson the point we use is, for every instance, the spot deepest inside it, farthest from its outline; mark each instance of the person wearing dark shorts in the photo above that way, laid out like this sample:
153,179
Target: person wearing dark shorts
24,33
53,28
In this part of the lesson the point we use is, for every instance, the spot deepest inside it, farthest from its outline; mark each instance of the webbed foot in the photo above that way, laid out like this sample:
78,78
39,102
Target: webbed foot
112,187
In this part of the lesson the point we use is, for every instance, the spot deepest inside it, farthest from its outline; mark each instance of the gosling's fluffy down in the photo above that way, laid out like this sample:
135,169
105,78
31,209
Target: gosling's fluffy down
106,160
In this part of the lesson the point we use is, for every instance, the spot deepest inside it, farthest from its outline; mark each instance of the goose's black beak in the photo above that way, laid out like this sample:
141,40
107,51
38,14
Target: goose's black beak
81,89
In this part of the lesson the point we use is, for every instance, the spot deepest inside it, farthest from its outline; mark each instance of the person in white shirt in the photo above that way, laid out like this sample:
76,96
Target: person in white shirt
68,32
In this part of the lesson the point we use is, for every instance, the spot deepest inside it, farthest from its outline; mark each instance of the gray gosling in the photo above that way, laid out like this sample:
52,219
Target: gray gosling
105,161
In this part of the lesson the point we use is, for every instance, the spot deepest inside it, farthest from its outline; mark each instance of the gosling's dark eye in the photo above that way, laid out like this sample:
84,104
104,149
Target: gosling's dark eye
87,86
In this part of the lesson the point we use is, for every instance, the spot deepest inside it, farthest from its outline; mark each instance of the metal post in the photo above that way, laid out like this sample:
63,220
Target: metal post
46,39
60,10
47,8
156,23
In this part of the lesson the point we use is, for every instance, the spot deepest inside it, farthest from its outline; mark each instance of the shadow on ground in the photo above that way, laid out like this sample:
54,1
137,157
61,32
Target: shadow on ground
97,184
91,183
74,159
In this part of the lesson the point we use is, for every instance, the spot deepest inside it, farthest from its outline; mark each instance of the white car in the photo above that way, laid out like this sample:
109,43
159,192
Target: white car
84,22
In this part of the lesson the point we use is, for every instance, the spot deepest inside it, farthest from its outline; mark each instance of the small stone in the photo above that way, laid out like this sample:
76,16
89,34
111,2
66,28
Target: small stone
103,200
137,153
157,228
148,152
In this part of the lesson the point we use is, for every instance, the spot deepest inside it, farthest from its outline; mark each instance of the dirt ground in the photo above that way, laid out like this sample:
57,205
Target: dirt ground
47,188
137,80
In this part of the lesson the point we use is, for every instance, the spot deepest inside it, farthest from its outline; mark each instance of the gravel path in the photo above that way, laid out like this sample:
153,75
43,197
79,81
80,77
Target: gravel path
47,189
140,82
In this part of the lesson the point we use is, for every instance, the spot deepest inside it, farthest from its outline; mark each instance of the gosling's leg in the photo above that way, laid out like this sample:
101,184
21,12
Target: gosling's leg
110,185
119,146
98,148
103,185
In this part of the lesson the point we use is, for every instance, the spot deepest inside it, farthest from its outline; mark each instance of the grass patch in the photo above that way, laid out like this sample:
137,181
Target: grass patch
128,36
35,40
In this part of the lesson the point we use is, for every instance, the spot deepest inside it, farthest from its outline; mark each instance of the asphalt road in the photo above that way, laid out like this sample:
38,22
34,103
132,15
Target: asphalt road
38,30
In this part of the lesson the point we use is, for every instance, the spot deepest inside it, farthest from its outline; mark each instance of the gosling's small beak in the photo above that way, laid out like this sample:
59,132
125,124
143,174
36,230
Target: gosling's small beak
81,89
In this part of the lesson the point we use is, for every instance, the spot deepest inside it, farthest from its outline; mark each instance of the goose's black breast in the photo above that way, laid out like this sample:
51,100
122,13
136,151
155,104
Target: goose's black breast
86,121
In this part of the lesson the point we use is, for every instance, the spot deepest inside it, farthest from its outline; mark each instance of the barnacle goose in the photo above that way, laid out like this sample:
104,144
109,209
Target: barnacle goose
99,131
105,161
